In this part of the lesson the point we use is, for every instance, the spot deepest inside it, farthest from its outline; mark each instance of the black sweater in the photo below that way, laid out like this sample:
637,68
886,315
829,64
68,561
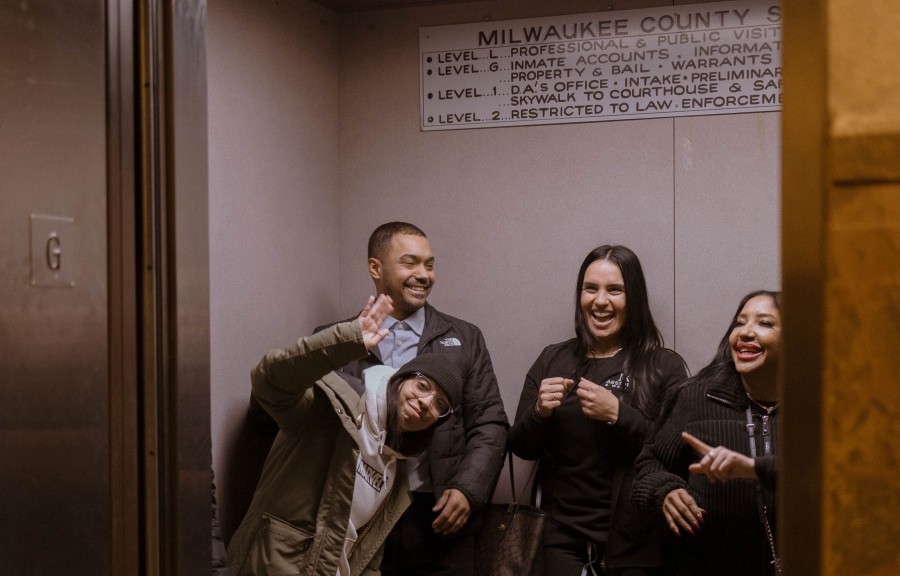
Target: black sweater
732,539
586,467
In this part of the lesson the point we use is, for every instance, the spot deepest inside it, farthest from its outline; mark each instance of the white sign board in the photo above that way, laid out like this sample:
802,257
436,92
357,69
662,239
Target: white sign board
718,58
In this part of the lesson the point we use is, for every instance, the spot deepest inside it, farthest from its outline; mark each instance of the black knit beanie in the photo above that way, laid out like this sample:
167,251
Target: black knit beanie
440,369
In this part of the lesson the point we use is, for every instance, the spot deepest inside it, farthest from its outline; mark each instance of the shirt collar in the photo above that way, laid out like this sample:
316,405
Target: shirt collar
389,322
416,321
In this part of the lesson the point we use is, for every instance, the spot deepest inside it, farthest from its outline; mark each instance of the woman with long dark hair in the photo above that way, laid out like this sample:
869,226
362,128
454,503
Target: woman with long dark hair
335,481
585,410
710,466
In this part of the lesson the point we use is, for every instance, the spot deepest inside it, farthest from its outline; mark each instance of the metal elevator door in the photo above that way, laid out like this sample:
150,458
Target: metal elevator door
104,323
54,460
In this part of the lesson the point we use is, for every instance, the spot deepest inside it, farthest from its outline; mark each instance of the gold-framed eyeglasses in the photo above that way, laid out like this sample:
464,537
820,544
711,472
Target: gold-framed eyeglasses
423,387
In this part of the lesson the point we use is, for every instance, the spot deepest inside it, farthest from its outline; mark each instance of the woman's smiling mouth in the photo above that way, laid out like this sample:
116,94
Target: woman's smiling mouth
413,411
602,319
747,352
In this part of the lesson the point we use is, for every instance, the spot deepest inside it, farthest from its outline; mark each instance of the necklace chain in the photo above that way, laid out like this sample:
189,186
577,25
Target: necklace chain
593,354
768,409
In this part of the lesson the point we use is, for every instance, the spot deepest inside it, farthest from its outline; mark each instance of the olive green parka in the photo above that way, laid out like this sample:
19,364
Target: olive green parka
298,519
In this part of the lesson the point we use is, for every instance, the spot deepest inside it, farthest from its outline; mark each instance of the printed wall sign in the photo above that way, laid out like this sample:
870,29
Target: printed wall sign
718,58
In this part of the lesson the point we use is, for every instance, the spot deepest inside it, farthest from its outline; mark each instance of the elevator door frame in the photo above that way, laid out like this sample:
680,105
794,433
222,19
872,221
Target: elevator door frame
158,288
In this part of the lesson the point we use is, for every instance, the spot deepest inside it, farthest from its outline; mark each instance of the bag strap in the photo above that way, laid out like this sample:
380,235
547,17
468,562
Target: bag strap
763,513
512,477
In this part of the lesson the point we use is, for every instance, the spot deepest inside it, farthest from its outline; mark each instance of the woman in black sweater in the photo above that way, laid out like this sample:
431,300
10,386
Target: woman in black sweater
710,466
585,410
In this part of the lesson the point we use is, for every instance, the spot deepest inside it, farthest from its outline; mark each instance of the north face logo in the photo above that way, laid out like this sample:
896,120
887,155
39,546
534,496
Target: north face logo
451,342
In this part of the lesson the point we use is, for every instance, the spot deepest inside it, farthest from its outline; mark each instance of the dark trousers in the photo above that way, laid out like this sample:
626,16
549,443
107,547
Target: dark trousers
414,549
562,560
566,554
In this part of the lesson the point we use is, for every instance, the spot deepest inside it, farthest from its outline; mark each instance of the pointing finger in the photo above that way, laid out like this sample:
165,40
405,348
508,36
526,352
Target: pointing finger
698,445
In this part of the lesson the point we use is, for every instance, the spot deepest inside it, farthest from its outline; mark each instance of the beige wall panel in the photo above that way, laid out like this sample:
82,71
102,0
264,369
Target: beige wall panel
727,222
861,399
864,87
273,199
511,212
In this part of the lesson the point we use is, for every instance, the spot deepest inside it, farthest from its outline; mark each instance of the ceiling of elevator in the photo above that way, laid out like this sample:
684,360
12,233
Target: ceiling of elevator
362,5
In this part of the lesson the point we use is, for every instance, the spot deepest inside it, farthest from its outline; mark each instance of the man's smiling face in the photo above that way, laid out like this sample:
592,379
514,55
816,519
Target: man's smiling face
406,273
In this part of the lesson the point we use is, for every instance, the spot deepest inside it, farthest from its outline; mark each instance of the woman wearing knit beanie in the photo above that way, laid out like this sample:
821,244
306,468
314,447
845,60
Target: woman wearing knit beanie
335,482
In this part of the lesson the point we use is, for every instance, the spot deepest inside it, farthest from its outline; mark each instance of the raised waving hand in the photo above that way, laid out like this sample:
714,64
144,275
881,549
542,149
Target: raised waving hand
371,318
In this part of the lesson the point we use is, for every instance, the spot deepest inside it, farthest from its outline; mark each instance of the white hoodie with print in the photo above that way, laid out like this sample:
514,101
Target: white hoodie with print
376,466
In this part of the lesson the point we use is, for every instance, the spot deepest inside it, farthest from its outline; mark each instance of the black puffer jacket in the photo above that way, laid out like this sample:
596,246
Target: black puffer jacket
466,452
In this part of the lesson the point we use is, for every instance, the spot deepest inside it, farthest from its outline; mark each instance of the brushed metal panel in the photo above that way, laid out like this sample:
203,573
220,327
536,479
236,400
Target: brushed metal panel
124,419
174,287
190,235
54,486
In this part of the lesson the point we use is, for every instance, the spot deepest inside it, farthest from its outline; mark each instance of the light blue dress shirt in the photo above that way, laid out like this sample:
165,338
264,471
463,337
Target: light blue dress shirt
402,342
